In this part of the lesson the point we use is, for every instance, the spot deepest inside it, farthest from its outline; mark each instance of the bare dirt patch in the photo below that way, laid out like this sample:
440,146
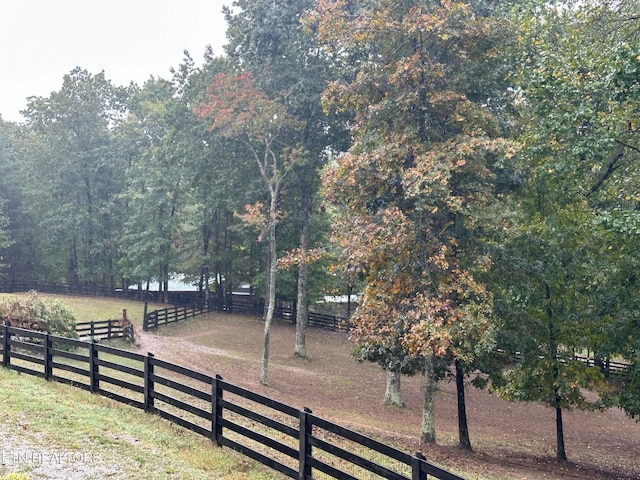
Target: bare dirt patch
511,440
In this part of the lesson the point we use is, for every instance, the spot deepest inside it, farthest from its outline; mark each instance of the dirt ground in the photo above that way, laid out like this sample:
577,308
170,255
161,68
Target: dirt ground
510,440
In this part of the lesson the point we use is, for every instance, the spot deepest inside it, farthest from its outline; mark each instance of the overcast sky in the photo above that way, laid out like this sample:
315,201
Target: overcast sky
42,40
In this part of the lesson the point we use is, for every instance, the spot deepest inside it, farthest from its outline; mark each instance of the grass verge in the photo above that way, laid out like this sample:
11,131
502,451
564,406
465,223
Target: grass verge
56,431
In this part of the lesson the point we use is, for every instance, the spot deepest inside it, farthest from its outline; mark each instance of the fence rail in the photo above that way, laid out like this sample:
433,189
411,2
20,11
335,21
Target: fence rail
101,329
294,442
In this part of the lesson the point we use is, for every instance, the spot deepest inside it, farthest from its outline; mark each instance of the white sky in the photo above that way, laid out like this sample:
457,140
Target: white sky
42,40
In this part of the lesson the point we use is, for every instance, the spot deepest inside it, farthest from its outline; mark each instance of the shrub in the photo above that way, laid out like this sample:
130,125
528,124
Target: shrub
37,313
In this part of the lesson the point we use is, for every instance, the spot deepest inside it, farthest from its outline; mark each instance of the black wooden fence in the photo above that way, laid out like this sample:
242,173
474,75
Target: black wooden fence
100,330
294,442
238,304
234,303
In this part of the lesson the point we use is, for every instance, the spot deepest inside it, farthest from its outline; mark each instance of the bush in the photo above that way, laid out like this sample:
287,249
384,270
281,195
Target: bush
41,314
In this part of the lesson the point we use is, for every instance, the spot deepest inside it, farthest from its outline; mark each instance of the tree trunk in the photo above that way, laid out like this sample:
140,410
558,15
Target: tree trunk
271,291
561,453
393,394
302,312
463,427
428,428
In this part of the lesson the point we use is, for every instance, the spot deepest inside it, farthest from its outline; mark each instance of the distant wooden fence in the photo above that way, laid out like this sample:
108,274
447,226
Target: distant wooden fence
244,304
294,442
100,330
234,303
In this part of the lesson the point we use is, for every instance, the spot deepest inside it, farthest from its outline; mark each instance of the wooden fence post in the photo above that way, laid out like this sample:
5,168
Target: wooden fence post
94,382
216,410
145,320
306,430
48,370
6,347
416,471
148,383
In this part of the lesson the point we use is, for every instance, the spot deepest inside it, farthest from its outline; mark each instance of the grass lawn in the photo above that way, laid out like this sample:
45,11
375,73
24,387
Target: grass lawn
97,308
55,431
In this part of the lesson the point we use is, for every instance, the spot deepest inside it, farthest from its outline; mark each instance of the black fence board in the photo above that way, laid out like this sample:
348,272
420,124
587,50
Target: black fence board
26,358
120,383
70,355
194,392
136,372
259,438
198,412
70,368
73,383
259,457
329,470
264,420
28,371
119,353
361,439
201,377
120,398
183,423
356,459
261,399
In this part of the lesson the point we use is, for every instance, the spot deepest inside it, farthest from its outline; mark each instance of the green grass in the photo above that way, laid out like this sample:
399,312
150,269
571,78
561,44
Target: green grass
87,309
121,440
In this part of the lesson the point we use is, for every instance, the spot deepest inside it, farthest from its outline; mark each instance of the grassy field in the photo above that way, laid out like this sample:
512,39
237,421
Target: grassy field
97,308
55,431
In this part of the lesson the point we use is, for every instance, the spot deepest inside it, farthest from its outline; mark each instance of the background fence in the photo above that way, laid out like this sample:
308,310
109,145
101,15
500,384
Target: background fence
294,442
232,303
100,330
237,304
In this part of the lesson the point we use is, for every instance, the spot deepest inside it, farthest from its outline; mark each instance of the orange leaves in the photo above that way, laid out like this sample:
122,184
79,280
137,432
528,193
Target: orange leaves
255,217
238,107
298,256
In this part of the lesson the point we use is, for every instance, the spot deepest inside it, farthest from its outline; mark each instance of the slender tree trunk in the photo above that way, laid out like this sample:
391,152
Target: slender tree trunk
271,290
428,428
463,428
561,453
302,312
393,394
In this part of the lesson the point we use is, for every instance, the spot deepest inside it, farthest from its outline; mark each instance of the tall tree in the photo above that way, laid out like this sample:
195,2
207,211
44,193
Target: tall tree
414,188
240,110
568,238
153,138
73,178
267,39
11,208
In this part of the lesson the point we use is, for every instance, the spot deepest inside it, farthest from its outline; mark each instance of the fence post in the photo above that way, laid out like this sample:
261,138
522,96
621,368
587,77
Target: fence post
416,471
305,453
6,347
93,330
216,410
148,382
48,370
145,320
109,323
94,382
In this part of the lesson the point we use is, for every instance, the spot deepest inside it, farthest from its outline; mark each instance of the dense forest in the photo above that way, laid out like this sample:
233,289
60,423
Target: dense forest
470,168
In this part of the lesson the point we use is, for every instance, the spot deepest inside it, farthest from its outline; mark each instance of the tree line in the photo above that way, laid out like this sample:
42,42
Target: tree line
469,167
